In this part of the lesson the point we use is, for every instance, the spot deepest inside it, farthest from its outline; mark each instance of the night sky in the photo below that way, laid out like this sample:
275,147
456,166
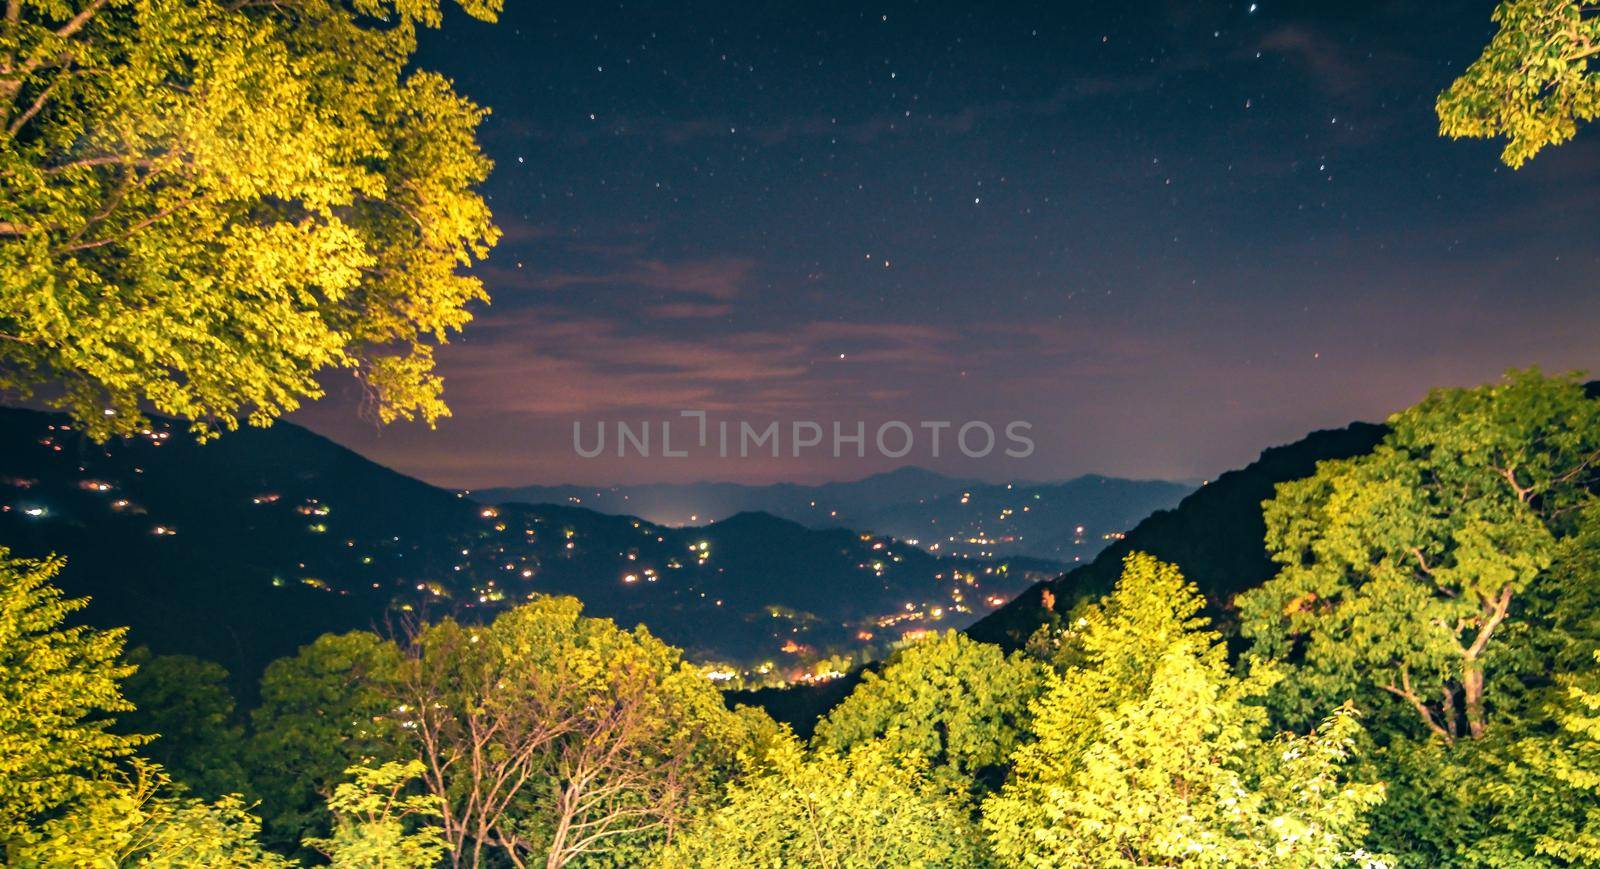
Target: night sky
1166,234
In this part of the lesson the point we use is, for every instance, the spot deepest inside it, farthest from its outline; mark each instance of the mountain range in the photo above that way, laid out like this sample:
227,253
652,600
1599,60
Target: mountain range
242,549
1066,521
1216,535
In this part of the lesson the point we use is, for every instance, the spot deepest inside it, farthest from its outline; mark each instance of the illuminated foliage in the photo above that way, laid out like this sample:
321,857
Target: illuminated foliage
205,204
1404,570
57,687
1510,799
1149,751
867,808
379,823
135,821
322,711
954,702
1535,81
549,734
1573,760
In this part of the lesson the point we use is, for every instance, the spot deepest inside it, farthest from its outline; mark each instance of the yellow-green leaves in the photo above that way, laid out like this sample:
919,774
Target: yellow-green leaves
552,736
205,205
866,808
1535,81
382,821
137,820
1400,570
954,702
1151,752
57,685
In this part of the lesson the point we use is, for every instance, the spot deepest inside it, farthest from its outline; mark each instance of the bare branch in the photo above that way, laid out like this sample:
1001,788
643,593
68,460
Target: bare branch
1405,692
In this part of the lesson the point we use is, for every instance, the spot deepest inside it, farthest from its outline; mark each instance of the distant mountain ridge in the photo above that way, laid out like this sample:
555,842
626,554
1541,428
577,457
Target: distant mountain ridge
243,549
1216,536
1065,521
693,503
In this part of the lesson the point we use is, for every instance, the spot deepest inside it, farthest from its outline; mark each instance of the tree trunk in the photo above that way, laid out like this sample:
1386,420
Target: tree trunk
1472,689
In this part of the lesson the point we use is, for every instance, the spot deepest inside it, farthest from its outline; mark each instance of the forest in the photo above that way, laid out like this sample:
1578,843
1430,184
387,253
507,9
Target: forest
1417,685
208,209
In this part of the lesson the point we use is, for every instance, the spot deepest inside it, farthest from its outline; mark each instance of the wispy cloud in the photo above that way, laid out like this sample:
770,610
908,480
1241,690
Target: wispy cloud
719,278
544,363
689,310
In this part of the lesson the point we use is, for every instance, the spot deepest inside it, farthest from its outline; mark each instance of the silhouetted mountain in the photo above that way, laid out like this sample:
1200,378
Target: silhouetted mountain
243,549
825,505
1216,536
1065,521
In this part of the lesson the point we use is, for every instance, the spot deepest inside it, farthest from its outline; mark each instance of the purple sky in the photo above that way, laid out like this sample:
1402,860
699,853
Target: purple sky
1167,234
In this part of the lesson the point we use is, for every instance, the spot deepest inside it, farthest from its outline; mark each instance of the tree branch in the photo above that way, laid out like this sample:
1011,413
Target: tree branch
1497,609
1405,692
113,239
78,21
38,104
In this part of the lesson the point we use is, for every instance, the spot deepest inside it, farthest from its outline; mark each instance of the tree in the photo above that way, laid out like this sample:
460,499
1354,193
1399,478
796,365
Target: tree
958,704
550,735
379,824
322,711
1149,751
204,205
1404,570
184,703
58,687
1572,759
1534,83
869,807
1523,797
133,820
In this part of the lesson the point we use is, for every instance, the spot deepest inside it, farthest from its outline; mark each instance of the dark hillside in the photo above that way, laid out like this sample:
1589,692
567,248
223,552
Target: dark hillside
1215,535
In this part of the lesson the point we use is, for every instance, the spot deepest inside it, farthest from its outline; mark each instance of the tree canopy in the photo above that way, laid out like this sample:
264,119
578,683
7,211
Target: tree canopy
861,809
952,701
205,205
1149,751
547,733
58,687
1535,82
380,823
184,704
1403,571
322,711
133,819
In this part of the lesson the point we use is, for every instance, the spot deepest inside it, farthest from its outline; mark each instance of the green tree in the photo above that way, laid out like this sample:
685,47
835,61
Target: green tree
1405,571
133,820
203,205
1525,797
550,735
380,824
322,711
958,704
58,688
869,807
1572,760
1149,751
184,703
1535,81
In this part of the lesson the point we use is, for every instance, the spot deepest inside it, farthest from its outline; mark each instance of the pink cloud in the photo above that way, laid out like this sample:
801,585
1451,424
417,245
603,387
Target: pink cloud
689,310
719,278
